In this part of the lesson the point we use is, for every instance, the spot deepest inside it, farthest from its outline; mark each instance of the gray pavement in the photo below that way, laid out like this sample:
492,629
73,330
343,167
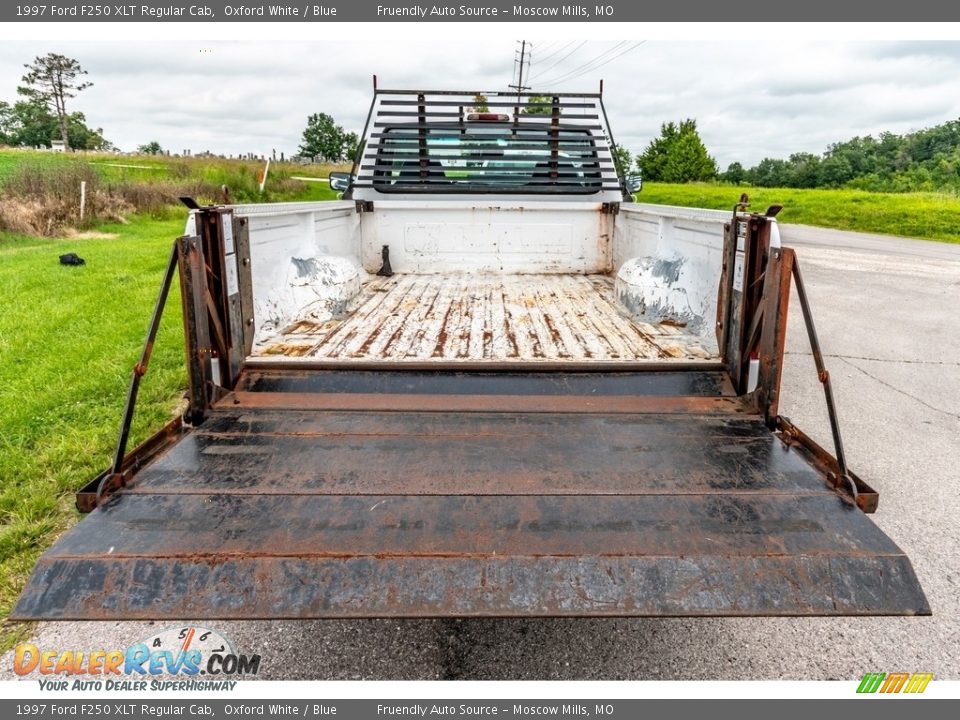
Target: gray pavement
888,314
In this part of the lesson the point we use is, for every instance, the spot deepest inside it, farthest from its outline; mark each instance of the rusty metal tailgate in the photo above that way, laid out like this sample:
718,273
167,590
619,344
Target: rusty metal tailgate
299,505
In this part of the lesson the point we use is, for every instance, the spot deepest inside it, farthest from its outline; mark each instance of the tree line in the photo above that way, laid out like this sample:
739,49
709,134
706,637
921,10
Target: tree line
927,159
40,116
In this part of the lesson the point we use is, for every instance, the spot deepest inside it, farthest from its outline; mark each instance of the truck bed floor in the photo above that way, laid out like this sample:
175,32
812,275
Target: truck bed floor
485,316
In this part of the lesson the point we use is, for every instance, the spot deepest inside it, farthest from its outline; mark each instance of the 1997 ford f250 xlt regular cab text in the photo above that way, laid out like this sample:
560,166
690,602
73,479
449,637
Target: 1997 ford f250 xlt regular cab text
484,383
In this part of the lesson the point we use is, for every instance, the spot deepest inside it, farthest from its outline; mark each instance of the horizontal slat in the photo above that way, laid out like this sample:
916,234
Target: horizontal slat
475,189
248,588
668,380
504,182
264,449
221,556
565,131
526,124
469,102
482,403
264,525
574,150
414,154
466,173
468,112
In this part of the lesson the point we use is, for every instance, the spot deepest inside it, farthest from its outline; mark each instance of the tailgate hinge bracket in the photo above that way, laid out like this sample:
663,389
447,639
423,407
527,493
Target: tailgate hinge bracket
610,208
364,206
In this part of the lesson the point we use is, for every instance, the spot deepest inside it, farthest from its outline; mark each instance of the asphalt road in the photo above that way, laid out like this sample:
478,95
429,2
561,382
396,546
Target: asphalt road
888,314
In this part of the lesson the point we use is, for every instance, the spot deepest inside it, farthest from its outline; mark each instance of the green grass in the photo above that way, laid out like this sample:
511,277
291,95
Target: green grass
240,176
69,337
930,216
11,159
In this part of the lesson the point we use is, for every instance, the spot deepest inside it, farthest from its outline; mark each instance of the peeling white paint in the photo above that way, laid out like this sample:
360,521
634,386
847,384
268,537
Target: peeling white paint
669,266
317,289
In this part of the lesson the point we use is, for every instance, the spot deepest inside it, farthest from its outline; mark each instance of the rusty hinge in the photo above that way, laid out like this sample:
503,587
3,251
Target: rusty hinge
610,208
364,206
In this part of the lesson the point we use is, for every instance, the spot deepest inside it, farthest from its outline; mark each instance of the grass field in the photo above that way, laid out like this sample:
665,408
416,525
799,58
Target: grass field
69,337
919,215
240,176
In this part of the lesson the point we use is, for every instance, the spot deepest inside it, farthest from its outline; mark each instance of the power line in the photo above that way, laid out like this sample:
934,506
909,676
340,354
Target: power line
590,63
572,75
559,61
555,52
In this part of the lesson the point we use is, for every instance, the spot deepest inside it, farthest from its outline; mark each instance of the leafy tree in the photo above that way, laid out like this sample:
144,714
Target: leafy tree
324,139
84,137
678,155
480,103
52,79
688,160
538,105
31,124
834,171
803,171
622,160
351,145
7,128
653,161
735,173
770,172
150,148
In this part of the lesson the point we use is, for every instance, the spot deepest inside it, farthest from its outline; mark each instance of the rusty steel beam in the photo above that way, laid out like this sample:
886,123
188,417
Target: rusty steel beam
714,383
114,479
287,556
824,377
866,498
133,462
265,364
775,305
265,451
484,403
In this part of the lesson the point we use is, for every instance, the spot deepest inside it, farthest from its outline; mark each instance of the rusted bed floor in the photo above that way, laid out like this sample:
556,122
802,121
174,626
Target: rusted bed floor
485,317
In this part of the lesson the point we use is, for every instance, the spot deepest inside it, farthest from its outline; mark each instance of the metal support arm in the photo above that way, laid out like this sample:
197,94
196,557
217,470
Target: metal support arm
823,376
114,479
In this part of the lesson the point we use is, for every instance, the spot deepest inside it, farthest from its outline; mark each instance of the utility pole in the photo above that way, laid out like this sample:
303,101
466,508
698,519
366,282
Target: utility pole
520,87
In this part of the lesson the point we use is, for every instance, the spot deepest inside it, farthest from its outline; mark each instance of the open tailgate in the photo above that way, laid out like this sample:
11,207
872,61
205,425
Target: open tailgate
406,502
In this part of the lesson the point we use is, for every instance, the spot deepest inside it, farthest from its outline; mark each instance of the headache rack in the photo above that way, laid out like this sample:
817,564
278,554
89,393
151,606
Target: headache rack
468,142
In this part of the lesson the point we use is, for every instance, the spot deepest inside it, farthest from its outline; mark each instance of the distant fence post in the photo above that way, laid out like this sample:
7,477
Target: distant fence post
263,179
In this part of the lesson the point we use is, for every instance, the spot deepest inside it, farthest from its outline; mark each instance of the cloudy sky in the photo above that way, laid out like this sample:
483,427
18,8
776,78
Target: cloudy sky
782,97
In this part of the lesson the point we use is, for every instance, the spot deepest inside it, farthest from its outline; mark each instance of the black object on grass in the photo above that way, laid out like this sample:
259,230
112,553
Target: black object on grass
72,259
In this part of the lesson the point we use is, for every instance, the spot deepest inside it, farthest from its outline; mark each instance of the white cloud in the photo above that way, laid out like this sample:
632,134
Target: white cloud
751,100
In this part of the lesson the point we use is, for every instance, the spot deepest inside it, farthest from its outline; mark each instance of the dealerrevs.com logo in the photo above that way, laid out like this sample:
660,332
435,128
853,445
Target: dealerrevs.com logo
198,658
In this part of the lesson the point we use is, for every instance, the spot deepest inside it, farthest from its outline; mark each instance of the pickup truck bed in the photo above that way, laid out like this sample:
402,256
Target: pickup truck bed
487,316
561,404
